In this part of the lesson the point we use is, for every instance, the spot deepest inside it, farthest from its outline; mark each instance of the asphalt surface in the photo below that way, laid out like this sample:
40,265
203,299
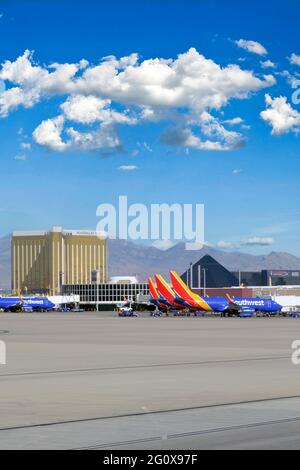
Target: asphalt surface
91,380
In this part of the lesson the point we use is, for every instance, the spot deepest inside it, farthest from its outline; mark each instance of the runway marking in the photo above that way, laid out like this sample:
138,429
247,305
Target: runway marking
145,366
192,433
129,415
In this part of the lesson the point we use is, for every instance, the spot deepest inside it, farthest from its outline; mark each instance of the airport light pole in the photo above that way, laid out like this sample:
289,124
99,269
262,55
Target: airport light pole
204,281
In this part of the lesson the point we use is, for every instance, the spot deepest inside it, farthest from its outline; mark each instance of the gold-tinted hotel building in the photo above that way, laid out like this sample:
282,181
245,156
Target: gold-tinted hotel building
43,261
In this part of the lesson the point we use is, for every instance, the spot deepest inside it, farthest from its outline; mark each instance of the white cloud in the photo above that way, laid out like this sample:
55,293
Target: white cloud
184,137
294,59
206,125
14,97
25,145
251,241
129,90
90,109
267,64
259,241
127,167
33,82
252,46
237,171
281,116
189,80
48,134
21,157
104,138
84,109
234,121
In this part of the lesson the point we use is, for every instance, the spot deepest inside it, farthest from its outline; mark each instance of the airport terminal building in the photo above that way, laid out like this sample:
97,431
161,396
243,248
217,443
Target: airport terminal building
43,261
98,296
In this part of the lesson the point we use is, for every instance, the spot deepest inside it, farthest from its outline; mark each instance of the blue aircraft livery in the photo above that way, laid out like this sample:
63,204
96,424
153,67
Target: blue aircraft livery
227,305
250,305
14,304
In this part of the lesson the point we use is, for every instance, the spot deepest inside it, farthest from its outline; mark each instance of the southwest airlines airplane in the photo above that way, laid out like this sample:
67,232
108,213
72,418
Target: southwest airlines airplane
15,304
251,305
234,306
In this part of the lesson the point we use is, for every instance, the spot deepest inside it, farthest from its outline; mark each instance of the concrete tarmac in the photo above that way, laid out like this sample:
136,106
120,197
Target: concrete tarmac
91,380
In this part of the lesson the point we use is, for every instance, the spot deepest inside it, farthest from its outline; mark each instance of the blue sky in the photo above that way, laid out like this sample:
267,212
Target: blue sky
249,183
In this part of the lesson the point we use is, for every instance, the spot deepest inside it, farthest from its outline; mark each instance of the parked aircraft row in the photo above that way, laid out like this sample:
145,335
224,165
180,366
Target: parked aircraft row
178,296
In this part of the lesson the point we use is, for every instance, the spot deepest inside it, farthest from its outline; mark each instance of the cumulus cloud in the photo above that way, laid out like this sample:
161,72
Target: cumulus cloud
184,137
252,46
104,138
210,135
281,116
189,80
267,64
294,59
128,91
48,134
90,109
14,97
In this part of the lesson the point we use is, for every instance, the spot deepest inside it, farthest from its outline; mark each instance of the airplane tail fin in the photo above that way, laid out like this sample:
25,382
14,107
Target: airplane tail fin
152,289
163,287
181,289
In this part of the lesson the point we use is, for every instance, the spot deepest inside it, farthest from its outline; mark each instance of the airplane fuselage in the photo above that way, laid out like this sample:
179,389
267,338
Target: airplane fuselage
25,303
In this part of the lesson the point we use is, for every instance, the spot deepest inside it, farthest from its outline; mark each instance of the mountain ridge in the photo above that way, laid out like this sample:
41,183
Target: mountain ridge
130,258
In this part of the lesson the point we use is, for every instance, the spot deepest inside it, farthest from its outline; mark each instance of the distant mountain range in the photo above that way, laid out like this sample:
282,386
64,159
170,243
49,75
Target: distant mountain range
129,258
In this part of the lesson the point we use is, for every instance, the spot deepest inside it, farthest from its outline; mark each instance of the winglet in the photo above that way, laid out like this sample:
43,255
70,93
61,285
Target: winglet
230,298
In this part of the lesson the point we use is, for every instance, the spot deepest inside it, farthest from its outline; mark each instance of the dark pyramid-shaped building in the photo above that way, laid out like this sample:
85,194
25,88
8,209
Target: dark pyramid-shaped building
207,272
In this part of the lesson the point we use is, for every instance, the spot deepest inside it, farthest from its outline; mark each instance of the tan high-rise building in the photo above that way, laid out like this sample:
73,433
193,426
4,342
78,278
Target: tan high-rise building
44,261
